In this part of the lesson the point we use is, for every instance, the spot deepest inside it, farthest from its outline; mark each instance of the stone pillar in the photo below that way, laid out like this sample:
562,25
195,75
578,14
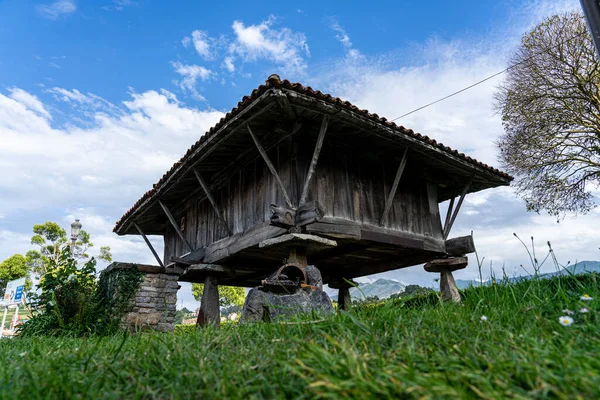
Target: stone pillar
210,312
154,304
445,266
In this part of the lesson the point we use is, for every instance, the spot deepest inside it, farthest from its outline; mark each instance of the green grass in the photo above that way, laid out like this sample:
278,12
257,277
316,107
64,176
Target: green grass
415,348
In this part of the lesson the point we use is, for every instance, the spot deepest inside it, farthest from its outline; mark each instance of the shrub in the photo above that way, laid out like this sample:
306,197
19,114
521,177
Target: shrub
73,302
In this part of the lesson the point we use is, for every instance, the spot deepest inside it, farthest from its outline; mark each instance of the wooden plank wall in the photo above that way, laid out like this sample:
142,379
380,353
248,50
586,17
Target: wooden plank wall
349,185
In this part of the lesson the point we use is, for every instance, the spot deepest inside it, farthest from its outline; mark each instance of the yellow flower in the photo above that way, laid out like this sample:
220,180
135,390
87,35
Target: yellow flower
565,320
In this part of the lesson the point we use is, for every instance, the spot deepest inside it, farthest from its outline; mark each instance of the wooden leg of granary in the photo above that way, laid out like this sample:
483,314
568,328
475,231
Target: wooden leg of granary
209,307
445,266
344,299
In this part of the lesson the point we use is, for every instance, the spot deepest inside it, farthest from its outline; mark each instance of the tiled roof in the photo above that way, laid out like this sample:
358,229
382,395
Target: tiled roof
275,82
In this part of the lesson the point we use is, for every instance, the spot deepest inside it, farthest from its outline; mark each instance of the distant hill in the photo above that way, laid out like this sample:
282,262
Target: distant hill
382,288
581,267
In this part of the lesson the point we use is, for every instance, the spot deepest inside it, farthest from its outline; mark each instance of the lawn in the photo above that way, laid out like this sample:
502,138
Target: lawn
415,348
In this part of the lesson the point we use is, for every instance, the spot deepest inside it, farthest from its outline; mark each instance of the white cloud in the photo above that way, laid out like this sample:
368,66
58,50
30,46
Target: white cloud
30,102
191,74
201,43
282,46
228,64
57,9
108,164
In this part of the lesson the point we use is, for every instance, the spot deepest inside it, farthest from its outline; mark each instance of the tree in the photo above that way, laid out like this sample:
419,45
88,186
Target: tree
228,295
14,267
52,241
550,107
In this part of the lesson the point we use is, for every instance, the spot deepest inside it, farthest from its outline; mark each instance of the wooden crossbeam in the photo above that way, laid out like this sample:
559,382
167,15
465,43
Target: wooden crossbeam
211,199
175,226
271,167
390,199
315,159
457,209
148,243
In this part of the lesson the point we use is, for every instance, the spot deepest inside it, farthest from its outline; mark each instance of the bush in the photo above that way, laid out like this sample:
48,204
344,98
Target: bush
73,302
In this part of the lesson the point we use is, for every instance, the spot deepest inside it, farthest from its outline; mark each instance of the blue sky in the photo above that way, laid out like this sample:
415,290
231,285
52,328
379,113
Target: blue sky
99,98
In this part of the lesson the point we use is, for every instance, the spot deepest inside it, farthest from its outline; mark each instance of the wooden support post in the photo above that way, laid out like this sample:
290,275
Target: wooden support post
149,244
271,167
448,215
175,226
315,159
211,199
455,214
390,199
344,299
209,306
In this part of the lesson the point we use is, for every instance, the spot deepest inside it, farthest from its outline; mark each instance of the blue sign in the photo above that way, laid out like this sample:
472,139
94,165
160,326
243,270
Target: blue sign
19,293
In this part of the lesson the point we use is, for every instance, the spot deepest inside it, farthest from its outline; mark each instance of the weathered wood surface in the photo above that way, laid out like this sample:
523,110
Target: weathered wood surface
460,246
390,199
346,186
148,244
211,199
174,224
272,168
299,240
315,159
231,245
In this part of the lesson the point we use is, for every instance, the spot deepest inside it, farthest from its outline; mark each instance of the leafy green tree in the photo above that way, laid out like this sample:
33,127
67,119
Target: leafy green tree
228,295
52,242
14,267
550,108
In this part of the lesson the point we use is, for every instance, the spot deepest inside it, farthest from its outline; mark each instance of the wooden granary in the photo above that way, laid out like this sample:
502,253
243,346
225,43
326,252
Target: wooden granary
295,173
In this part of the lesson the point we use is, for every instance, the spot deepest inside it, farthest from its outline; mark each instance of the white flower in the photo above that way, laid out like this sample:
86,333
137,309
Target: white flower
584,310
568,312
23,354
483,318
565,320
586,297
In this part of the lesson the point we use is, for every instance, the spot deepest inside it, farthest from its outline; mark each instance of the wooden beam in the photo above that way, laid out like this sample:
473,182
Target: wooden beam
284,104
448,215
392,194
265,157
457,209
175,226
459,246
315,159
211,199
149,244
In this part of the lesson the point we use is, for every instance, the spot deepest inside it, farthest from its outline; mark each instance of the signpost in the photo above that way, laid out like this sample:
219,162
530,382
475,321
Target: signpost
13,296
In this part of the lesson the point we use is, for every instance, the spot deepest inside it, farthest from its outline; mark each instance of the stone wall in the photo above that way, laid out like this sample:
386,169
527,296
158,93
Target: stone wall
155,301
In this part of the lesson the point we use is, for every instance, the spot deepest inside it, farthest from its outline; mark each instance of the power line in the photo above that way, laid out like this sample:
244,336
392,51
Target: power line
489,77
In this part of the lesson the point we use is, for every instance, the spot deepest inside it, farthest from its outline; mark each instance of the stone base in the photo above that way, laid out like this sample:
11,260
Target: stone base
261,305
154,304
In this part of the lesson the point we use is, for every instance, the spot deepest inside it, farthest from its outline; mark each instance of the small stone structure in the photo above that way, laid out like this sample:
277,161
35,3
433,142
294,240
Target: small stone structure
445,266
154,304
292,290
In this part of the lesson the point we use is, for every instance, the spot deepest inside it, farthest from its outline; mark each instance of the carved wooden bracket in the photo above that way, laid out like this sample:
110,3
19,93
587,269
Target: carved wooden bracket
305,214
